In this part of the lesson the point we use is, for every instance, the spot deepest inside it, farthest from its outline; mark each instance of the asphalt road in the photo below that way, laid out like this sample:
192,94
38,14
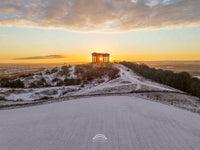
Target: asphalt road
128,123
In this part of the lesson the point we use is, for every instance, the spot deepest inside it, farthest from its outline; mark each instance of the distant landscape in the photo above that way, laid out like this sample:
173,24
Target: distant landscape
13,70
192,67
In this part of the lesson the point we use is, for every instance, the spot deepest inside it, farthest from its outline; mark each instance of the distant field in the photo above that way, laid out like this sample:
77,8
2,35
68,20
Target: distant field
192,67
13,70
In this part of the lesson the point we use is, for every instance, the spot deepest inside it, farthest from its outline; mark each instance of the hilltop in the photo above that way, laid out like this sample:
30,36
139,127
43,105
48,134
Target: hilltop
61,83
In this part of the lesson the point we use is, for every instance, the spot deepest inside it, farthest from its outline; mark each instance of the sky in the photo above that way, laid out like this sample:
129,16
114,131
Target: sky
58,31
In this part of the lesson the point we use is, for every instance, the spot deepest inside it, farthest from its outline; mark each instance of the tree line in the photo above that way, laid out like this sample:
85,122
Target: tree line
182,81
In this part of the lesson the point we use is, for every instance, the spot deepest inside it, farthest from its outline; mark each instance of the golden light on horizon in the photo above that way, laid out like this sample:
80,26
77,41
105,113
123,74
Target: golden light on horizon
31,37
101,58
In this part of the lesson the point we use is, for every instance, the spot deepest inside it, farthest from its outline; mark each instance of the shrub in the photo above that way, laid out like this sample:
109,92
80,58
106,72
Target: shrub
72,82
16,84
64,71
54,70
182,81
65,67
60,83
32,85
90,72
5,82
55,80
2,98
79,69
39,83
48,72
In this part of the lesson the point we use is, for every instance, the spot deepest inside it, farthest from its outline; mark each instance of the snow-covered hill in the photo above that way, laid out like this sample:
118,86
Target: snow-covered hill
69,80
128,122
65,76
127,81
88,80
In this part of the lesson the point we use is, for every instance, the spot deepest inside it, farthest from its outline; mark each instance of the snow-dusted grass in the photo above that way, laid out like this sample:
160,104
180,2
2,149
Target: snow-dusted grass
126,82
180,100
128,123
58,82
127,74
36,93
197,77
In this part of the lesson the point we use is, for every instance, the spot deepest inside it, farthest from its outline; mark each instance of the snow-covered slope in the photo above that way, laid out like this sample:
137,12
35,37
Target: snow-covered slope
198,77
125,82
51,78
129,123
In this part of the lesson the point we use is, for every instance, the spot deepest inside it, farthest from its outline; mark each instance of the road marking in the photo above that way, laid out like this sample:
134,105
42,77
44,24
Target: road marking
99,138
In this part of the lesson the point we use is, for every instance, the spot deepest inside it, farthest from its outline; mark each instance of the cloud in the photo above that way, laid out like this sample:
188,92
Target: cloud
3,35
100,15
41,57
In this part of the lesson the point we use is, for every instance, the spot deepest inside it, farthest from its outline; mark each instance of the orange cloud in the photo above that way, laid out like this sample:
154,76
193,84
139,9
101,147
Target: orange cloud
100,15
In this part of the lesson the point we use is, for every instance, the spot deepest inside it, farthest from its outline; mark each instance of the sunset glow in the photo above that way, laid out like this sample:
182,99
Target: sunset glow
99,74
60,33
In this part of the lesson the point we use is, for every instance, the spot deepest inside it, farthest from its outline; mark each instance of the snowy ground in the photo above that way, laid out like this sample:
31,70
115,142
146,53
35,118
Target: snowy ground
129,123
197,77
127,82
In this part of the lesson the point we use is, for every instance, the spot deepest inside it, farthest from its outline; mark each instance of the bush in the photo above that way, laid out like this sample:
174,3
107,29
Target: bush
2,98
65,67
11,83
182,81
39,84
5,82
16,84
60,83
89,73
72,82
64,71
48,72
54,70
32,85
79,69
55,80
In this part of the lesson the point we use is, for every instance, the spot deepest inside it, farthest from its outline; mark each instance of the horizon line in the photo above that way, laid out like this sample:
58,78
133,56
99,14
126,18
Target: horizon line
90,62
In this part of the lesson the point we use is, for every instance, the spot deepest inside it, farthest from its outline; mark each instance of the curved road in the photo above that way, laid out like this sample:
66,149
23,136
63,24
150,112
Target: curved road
128,123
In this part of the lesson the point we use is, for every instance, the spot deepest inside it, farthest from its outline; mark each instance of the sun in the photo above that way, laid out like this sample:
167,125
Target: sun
101,58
